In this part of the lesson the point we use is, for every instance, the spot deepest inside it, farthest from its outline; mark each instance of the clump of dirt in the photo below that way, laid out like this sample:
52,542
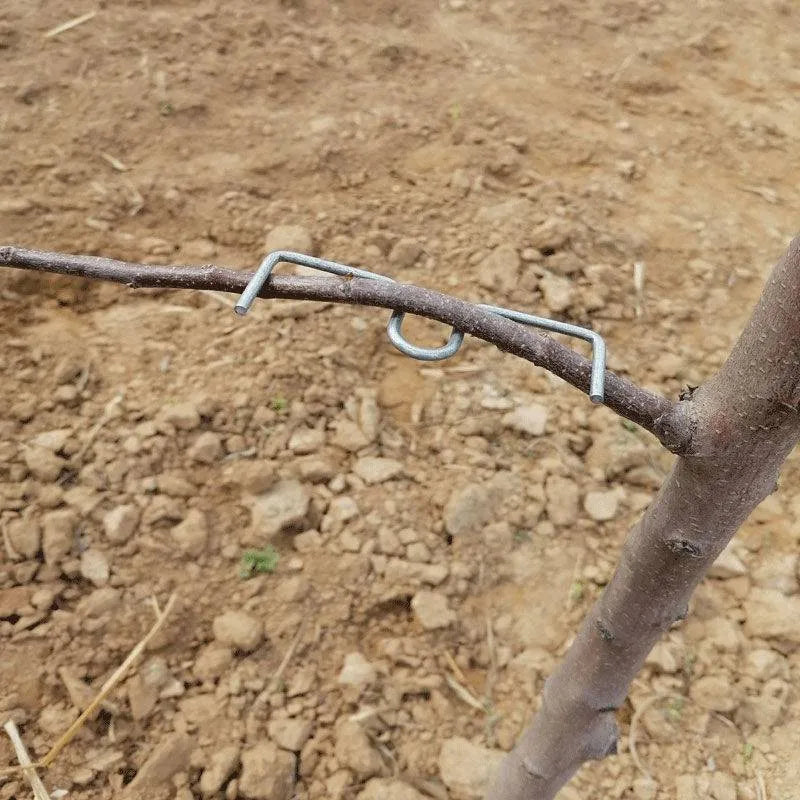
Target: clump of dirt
440,530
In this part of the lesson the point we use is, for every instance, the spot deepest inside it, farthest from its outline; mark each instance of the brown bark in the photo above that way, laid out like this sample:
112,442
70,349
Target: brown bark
652,412
745,422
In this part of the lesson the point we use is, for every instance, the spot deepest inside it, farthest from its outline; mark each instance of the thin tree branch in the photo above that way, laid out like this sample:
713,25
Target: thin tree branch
665,419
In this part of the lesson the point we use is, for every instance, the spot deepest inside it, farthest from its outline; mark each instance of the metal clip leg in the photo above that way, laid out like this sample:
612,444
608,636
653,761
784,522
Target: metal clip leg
597,380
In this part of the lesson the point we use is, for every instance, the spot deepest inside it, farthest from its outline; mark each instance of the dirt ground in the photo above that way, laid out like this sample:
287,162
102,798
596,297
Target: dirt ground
525,154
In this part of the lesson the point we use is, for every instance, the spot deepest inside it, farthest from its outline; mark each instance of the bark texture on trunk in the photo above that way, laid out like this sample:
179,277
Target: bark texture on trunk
744,423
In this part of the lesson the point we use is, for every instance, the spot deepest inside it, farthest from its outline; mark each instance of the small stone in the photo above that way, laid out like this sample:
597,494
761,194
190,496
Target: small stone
199,250
766,710
53,441
294,238
15,205
397,570
551,235
468,510
306,440
13,600
357,671
207,448
175,486
337,784
354,750
142,697
499,271
316,470
290,733
308,540
776,570
722,786
52,495
385,789
727,565
466,769
645,788
562,500
723,634
530,420
388,542
239,630
94,567
662,658
184,416
100,601
169,757
254,477
341,509
374,470
191,535
293,589
349,436
24,536
283,507
601,506
764,664
267,773
432,610
418,552
770,614
43,599
558,292
42,464
120,523
405,253
219,768
59,534
212,662
714,693
369,416
303,681
199,709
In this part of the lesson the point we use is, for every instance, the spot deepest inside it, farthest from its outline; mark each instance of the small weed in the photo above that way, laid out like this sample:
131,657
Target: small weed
258,562
455,113
165,109
675,709
576,592
521,536
279,404
628,425
747,751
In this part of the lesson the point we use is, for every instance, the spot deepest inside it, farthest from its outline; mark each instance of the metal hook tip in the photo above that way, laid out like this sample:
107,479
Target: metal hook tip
240,310
597,399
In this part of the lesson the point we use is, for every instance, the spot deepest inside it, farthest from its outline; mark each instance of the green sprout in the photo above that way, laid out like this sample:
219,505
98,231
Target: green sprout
279,404
258,562
675,708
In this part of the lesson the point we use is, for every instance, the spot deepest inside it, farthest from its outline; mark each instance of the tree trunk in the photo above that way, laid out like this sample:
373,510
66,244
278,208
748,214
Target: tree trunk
744,423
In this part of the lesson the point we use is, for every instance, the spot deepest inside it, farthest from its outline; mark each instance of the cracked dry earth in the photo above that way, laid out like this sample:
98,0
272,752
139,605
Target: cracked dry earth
440,529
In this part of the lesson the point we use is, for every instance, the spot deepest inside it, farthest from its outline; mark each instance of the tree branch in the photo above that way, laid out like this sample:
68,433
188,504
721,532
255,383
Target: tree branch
666,420
747,422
